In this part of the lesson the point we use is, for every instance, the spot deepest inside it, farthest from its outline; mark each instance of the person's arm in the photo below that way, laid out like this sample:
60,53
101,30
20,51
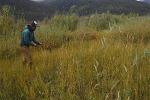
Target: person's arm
35,41
27,39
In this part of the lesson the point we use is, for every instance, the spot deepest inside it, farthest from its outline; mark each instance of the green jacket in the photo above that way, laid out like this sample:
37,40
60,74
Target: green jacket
27,37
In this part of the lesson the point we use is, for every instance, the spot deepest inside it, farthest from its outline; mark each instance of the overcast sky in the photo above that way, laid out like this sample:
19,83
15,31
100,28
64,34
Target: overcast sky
139,0
136,0
37,0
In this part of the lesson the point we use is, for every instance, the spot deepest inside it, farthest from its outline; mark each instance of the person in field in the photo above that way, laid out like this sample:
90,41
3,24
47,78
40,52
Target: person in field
27,40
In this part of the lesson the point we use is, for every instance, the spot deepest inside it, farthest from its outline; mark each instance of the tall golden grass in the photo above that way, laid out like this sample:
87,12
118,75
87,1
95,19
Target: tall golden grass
78,64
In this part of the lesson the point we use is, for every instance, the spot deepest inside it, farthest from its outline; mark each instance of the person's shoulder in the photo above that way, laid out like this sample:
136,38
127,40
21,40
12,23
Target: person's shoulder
26,29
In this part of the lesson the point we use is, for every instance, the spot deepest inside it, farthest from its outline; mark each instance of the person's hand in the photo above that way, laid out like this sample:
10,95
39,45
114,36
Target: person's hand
40,43
35,45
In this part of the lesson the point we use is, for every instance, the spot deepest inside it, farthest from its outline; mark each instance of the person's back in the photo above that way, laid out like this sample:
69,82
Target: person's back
25,36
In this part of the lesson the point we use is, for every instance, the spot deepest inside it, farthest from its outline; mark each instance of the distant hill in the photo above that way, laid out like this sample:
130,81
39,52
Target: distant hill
148,1
81,7
28,9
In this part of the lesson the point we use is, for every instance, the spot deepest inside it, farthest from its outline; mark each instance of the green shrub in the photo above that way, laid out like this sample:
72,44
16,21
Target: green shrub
6,21
102,21
135,30
64,22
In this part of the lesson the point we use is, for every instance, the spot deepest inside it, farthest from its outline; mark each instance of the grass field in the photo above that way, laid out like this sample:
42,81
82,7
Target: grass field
98,57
